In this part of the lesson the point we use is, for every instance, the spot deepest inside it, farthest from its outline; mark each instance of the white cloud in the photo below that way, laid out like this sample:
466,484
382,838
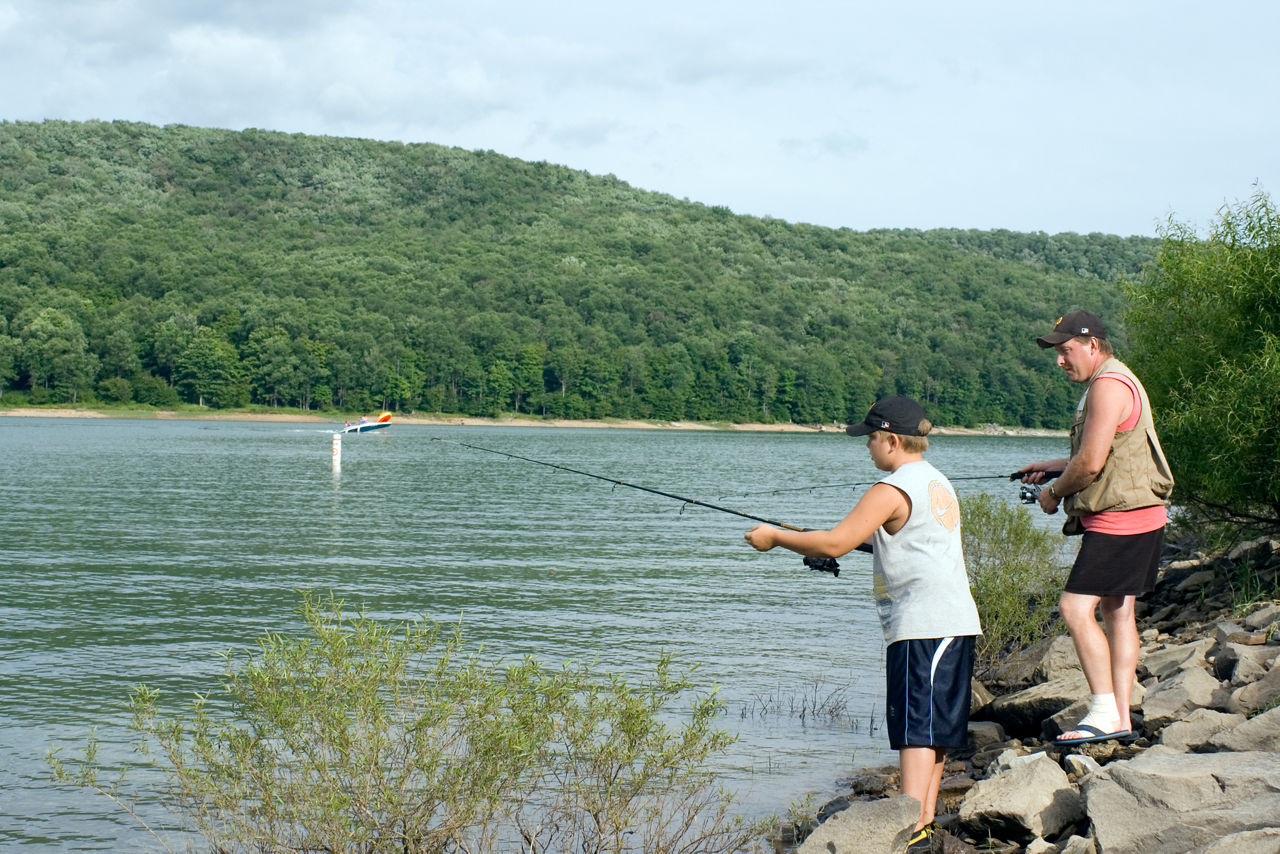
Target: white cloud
1097,116
9,18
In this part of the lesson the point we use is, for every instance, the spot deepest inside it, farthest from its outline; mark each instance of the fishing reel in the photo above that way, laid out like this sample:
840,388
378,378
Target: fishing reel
823,564
1029,493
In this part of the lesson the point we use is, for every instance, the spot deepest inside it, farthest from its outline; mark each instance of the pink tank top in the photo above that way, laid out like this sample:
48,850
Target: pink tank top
1125,522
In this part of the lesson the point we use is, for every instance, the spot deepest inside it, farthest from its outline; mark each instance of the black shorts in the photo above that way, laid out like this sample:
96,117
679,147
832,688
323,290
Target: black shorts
929,688
1116,564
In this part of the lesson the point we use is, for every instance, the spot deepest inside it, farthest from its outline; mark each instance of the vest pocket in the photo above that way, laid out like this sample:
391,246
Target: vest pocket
1162,481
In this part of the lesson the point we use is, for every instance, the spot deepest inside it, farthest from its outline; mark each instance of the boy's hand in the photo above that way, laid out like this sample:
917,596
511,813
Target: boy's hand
761,537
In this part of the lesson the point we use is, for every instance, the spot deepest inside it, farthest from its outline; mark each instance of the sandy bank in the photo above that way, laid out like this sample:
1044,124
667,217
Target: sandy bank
469,421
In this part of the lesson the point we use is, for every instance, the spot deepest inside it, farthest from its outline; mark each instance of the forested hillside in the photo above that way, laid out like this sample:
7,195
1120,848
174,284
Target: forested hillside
154,265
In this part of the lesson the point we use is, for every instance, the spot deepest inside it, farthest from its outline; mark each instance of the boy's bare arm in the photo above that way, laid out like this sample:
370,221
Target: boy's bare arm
881,504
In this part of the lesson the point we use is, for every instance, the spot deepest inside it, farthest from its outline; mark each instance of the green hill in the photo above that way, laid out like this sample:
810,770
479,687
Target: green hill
152,264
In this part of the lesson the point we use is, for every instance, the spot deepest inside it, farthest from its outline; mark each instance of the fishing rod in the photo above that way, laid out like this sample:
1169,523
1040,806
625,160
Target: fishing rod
821,564
1014,476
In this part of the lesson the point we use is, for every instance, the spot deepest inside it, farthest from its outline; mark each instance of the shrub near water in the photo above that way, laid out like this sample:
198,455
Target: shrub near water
1015,572
366,737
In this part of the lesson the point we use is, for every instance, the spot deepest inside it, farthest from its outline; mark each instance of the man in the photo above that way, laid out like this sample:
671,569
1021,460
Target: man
1114,489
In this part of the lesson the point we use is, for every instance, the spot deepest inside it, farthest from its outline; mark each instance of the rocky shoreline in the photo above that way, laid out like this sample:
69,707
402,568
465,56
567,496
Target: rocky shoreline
1202,776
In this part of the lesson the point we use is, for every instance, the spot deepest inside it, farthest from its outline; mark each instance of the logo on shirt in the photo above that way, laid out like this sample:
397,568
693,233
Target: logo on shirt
944,506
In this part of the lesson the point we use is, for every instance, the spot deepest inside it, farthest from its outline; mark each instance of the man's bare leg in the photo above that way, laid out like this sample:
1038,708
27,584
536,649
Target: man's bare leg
1122,637
1094,651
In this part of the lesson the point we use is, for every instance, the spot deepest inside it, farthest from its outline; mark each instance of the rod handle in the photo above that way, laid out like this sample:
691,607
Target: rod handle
1048,474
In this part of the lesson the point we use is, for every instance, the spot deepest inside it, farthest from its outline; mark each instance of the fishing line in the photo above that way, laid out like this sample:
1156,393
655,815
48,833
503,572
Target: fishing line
813,487
823,564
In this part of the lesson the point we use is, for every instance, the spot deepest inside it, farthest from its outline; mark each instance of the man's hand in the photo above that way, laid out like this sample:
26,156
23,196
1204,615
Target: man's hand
1038,472
1048,501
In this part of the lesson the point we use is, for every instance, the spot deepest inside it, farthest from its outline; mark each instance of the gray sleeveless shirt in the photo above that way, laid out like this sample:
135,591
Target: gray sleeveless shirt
921,588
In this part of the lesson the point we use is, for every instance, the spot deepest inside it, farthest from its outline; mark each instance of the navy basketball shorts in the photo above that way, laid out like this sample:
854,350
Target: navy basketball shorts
929,689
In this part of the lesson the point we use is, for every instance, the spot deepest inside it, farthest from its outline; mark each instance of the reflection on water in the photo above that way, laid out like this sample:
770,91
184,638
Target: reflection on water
137,551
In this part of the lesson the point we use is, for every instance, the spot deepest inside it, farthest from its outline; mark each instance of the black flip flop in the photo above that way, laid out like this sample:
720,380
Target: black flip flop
1095,734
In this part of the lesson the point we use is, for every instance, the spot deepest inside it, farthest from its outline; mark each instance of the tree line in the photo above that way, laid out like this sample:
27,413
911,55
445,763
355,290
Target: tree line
154,266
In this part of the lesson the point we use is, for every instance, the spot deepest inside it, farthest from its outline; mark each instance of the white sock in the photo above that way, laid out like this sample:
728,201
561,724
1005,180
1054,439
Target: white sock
1102,712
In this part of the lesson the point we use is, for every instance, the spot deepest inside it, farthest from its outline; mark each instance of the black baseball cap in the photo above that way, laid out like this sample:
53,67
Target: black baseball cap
900,415
1073,325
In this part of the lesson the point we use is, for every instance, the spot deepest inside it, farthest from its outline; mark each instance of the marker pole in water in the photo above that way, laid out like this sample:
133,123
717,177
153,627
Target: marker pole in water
337,452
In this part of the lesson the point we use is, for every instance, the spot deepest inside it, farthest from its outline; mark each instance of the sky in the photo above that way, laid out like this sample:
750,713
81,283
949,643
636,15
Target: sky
1112,117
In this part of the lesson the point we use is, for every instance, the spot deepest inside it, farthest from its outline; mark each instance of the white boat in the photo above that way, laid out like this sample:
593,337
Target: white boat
364,425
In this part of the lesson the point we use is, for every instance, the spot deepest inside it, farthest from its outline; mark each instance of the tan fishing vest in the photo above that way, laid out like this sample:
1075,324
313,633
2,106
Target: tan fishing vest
1136,473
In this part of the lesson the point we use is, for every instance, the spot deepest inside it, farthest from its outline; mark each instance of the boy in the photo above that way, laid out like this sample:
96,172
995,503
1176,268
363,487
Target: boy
911,519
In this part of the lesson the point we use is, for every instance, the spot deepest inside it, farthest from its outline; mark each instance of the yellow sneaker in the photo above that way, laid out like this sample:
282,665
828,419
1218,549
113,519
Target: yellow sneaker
926,840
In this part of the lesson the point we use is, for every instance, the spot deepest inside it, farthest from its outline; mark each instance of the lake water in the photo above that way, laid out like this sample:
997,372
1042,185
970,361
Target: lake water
137,551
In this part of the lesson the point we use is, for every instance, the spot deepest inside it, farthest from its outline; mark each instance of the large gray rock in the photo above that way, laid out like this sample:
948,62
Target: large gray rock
979,697
1259,733
1197,729
1256,695
1079,845
1031,797
1263,617
1197,580
1022,712
1080,765
1049,659
1241,663
1163,663
1255,551
1162,802
984,734
1266,841
884,825
1176,697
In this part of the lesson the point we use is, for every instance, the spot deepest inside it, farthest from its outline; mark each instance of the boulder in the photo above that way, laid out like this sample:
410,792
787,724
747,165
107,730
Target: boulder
1256,695
1242,663
1023,712
1079,845
1031,797
883,825
980,697
1196,580
1163,663
1225,632
1176,697
1049,659
1263,841
1080,765
1162,802
1258,733
983,734
1196,729
1254,551
1263,618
